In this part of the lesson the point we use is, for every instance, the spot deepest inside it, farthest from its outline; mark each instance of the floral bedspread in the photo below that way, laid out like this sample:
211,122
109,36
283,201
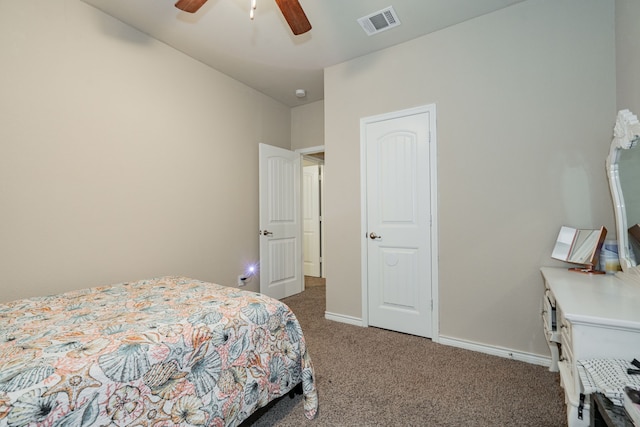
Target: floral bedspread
162,352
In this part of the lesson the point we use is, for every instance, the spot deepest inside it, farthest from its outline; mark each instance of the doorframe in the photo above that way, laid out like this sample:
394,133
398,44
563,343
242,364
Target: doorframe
302,152
433,177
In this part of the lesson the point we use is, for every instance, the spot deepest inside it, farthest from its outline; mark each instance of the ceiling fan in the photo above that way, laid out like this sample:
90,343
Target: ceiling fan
291,10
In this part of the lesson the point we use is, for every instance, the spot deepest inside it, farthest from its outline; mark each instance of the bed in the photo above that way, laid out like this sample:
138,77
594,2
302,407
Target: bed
159,352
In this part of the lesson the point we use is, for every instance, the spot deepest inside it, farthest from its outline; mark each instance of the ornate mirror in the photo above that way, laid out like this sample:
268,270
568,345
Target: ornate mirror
623,169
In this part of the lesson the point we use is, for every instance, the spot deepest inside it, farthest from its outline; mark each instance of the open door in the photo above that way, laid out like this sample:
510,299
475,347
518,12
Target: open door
311,220
280,222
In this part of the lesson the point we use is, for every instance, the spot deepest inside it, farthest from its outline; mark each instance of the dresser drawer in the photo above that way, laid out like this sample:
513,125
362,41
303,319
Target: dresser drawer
549,317
564,327
566,347
566,355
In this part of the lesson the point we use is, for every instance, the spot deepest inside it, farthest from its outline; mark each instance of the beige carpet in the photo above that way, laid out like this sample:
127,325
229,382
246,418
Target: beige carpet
375,377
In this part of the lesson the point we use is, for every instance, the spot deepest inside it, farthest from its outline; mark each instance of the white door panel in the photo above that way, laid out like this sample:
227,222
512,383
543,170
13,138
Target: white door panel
398,214
311,219
280,226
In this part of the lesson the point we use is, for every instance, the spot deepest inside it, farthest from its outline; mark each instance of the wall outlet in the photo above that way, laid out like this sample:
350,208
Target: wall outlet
242,280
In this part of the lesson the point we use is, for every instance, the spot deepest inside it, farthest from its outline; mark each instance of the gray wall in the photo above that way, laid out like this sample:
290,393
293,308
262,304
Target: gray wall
628,55
525,103
307,125
120,157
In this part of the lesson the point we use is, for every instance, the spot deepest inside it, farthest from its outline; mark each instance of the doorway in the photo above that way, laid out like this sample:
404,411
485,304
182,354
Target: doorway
399,224
312,206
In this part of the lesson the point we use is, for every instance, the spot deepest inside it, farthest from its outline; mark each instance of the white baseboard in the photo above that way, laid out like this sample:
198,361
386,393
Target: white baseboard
342,318
454,342
497,351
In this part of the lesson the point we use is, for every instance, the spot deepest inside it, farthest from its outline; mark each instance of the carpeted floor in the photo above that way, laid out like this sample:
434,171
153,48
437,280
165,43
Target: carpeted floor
375,377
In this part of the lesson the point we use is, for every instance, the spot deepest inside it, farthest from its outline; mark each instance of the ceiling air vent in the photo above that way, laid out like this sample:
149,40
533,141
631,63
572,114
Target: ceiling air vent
379,21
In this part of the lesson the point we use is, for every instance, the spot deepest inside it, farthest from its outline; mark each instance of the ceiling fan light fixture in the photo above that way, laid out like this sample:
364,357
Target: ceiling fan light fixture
291,10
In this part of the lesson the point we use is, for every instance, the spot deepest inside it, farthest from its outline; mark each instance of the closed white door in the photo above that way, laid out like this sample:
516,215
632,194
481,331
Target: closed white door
311,220
398,217
280,225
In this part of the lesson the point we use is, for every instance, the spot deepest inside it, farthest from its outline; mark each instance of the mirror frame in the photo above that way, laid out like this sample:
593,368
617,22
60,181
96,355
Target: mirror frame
626,134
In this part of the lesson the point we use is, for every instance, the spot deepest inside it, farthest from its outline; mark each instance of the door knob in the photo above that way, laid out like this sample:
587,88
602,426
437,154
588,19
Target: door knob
374,236
267,233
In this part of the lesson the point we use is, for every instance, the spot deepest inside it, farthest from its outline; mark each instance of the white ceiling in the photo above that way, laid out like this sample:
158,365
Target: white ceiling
265,55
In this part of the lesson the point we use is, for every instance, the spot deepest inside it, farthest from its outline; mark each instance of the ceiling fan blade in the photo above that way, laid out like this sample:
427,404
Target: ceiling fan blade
190,6
294,15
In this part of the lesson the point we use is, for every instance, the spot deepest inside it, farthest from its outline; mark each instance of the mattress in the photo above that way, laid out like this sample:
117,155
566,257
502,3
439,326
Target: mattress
159,352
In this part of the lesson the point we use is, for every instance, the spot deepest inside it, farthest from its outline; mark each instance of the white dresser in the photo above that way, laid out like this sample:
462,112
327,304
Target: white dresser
585,317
